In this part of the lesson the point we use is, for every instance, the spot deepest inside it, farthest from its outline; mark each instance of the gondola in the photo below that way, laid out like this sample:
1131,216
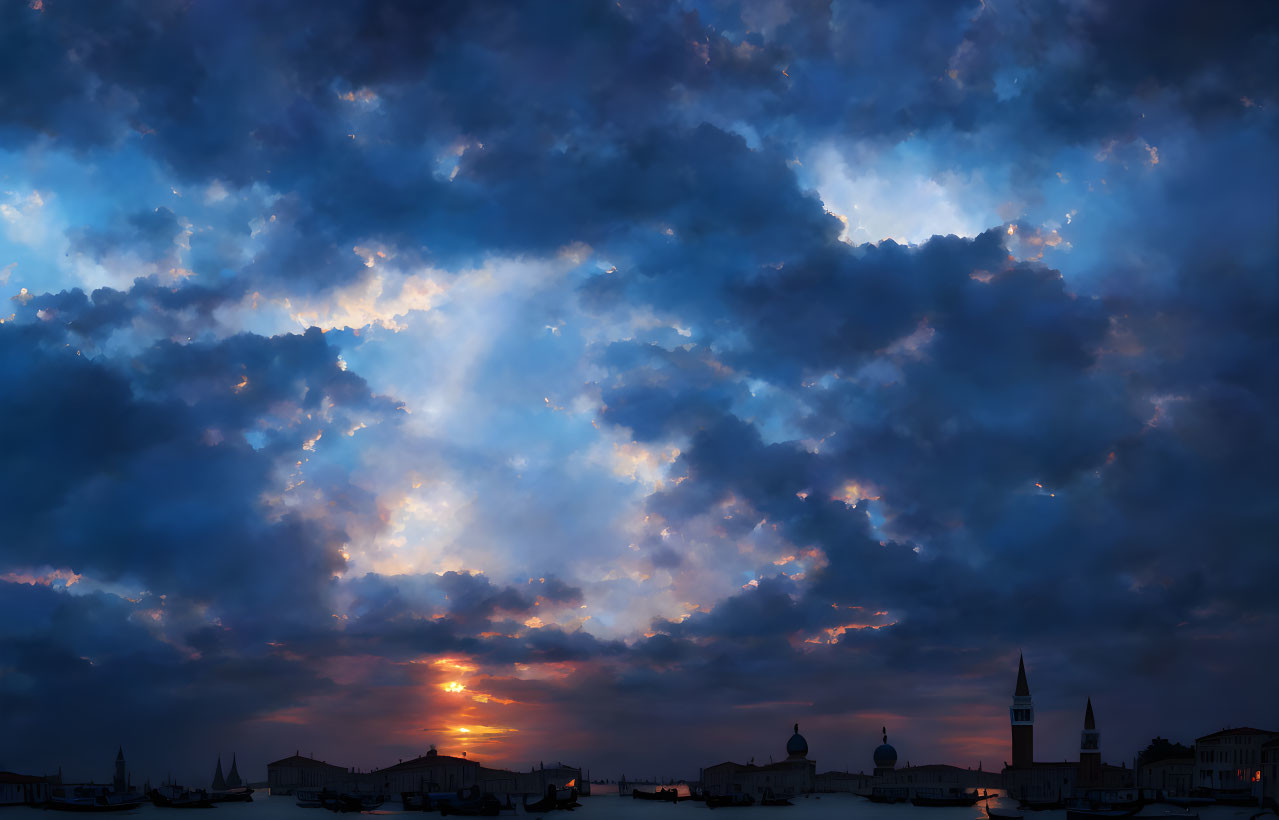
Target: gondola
1003,814
243,795
770,799
949,799
91,799
487,805
348,802
183,800
724,801
553,799
669,795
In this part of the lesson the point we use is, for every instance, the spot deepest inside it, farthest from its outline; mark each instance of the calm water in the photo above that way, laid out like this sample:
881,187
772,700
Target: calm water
605,805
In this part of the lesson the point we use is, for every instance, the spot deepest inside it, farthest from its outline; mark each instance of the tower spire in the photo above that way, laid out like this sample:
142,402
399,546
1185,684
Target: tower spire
1023,688
1089,721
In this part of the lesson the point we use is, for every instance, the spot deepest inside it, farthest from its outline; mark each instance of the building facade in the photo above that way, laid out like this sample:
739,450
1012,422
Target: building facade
1230,760
794,775
1174,776
24,789
1270,773
297,772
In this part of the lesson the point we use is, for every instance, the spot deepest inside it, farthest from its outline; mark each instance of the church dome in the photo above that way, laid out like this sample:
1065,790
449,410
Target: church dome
797,746
885,755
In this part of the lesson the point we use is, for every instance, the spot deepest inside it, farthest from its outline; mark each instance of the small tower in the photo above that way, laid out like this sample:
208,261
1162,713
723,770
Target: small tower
121,781
885,756
219,782
1022,714
1089,752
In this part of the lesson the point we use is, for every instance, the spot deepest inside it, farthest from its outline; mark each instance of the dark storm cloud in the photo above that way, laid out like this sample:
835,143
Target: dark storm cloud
1080,468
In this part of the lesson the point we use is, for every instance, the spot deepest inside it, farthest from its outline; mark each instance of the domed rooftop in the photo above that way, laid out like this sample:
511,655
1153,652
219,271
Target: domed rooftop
797,746
885,755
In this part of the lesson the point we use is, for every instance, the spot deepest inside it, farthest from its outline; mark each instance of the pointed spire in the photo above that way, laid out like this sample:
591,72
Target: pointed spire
1023,688
120,754
1089,721
884,731
219,782
233,778
796,728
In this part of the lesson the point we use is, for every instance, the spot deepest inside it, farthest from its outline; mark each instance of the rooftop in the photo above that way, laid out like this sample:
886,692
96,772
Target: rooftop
299,760
1242,730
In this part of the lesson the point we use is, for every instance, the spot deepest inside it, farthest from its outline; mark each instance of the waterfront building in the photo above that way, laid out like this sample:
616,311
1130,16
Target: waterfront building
297,772
1270,773
24,789
931,778
850,782
1028,779
1174,776
427,773
794,775
1230,760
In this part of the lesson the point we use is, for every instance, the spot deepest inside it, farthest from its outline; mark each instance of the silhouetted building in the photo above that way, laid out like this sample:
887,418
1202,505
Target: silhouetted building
1270,773
933,777
297,772
1166,766
794,775
1052,781
1173,775
842,782
1230,760
430,772
121,779
24,789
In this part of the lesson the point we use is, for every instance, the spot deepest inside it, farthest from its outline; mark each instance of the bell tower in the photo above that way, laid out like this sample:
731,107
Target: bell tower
1022,714
1089,752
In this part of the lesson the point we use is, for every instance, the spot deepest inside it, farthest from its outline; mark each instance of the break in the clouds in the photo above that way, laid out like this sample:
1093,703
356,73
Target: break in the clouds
577,379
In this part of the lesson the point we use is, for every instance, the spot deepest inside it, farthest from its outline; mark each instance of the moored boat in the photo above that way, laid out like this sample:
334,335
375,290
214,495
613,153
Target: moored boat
724,801
770,799
1003,814
93,799
171,798
955,797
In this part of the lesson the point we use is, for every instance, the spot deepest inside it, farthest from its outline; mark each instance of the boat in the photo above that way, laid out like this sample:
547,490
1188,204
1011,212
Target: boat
669,795
770,799
955,797
351,801
724,801
888,794
94,799
554,798
487,805
1003,814
180,799
239,795
310,798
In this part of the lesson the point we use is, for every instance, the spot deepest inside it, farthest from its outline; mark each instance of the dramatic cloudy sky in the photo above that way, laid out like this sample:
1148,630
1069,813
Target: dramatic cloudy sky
623,382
